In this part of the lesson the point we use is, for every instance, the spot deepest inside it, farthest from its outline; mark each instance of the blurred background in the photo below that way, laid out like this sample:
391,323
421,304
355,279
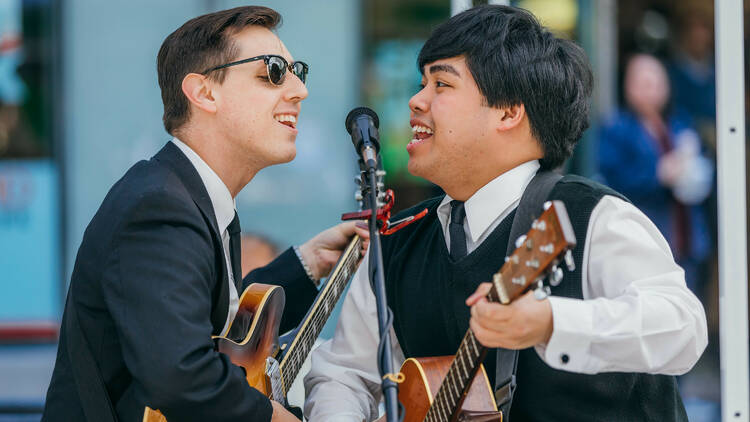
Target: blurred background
80,104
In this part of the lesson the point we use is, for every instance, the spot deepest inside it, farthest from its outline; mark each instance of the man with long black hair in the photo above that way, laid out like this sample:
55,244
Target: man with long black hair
158,270
501,99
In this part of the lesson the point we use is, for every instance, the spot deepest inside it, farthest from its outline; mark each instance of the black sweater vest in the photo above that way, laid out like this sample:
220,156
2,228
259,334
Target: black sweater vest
426,290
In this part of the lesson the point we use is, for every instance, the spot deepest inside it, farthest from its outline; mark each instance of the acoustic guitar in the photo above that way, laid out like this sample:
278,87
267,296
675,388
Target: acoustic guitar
456,388
271,364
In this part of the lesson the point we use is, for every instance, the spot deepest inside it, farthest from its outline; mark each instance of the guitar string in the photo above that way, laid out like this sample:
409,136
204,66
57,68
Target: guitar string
452,387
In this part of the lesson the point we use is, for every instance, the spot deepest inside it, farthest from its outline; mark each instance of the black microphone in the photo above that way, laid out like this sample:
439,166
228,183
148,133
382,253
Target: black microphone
362,123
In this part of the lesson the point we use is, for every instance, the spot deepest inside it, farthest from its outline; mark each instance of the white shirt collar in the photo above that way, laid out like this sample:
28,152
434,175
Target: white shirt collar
221,198
496,198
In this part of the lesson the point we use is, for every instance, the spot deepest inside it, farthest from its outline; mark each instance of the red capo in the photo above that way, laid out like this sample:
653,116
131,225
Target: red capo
384,215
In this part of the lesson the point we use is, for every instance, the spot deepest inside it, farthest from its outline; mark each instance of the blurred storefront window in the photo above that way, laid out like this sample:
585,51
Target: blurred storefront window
29,174
25,79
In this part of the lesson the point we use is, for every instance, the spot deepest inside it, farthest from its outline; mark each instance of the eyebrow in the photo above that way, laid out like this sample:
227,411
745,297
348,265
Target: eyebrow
444,68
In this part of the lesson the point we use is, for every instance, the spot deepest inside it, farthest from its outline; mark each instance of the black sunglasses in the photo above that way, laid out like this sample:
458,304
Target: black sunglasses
276,66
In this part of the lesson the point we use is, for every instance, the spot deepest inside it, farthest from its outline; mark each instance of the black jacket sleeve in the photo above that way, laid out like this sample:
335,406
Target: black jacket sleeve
286,271
157,284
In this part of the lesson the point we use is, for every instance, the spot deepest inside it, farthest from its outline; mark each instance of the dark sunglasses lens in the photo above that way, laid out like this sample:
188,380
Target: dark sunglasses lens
300,69
276,70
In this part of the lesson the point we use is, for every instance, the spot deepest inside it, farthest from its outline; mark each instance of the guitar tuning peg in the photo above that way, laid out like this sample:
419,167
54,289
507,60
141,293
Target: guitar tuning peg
380,173
539,225
556,276
569,261
520,240
358,180
358,196
541,292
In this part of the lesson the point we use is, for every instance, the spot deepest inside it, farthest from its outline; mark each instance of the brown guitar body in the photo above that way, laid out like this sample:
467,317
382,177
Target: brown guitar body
423,377
260,307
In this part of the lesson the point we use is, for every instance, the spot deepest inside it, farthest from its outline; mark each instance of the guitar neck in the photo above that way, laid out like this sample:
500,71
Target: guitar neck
550,236
455,385
319,312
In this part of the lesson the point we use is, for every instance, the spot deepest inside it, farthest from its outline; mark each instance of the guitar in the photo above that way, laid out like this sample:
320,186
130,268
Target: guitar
463,391
271,363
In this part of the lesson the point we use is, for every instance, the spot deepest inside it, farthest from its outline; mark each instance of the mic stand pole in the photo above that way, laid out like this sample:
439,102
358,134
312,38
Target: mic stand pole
377,281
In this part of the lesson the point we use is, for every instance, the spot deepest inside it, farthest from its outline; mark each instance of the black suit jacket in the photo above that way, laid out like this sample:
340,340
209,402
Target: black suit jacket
150,288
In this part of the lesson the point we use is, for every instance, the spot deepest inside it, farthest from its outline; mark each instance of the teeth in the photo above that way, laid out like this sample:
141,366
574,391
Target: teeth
285,118
422,129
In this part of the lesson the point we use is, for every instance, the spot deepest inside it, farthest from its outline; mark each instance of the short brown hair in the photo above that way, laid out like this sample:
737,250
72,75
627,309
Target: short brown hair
198,45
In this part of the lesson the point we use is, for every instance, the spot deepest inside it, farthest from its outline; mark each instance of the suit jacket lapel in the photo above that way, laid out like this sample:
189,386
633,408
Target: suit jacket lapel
172,156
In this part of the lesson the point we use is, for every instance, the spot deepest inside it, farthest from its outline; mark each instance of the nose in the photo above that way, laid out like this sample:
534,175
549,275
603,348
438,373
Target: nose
419,102
296,90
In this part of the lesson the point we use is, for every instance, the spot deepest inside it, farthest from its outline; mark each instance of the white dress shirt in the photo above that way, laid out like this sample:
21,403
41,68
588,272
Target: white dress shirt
636,314
224,209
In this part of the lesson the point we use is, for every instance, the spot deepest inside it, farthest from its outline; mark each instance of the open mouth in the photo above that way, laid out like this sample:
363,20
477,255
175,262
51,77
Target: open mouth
289,120
419,134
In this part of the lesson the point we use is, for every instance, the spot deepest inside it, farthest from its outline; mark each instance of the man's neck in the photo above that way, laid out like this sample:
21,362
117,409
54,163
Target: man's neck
222,159
465,189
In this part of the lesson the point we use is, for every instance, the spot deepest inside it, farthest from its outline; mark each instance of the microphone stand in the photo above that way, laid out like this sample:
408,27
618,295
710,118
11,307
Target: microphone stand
377,282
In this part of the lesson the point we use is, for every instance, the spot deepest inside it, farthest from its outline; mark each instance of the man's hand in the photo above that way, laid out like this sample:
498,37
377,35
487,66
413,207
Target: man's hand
322,251
280,414
523,323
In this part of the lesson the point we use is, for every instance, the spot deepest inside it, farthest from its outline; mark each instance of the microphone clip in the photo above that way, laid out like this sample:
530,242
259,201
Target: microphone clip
383,215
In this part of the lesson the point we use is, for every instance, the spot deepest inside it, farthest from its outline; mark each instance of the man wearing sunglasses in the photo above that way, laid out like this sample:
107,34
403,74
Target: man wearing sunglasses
158,273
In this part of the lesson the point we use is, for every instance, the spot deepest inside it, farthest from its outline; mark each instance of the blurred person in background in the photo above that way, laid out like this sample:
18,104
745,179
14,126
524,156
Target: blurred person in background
257,251
158,271
650,152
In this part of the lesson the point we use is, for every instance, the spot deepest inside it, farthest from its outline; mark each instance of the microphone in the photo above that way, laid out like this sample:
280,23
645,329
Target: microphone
362,124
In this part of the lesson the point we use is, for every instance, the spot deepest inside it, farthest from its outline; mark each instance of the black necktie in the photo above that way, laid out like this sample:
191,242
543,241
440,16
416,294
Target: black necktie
235,251
456,230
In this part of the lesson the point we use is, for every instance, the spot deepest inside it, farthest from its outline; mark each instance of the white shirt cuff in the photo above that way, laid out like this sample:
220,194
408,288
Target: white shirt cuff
568,347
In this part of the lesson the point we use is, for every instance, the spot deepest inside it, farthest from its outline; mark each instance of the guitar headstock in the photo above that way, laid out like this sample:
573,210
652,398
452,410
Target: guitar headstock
537,255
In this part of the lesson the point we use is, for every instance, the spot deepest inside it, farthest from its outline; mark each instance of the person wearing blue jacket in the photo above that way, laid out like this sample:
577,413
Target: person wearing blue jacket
649,152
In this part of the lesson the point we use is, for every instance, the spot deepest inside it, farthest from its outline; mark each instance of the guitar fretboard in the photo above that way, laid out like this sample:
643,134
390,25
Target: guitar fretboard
319,313
464,367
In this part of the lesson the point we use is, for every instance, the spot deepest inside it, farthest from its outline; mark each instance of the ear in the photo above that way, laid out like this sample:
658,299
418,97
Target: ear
197,89
510,117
